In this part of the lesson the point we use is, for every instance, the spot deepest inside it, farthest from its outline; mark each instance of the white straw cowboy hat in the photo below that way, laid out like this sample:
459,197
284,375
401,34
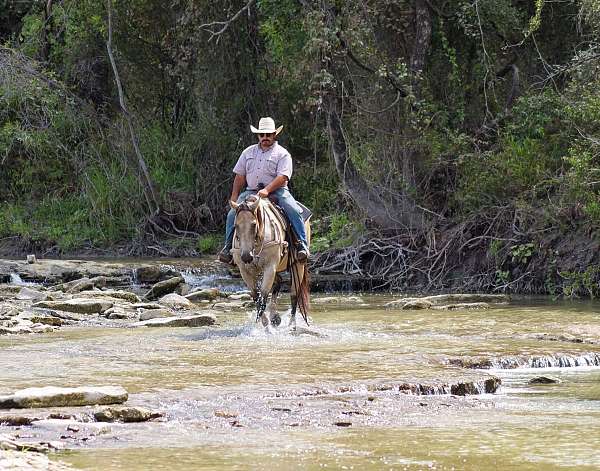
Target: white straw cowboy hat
266,126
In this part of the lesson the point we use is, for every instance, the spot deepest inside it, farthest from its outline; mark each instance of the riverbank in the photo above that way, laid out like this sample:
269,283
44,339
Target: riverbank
556,261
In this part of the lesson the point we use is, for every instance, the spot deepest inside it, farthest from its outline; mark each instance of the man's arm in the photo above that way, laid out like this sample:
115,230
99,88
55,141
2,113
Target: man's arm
239,182
277,183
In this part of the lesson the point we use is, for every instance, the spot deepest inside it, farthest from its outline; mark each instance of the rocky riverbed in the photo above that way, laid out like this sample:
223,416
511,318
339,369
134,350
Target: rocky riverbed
97,377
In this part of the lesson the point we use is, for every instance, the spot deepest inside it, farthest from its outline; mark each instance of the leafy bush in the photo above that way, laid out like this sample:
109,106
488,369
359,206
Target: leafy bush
209,243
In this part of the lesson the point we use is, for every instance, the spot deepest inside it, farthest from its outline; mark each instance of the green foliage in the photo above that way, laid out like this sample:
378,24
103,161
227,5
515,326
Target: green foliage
209,243
64,223
586,283
521,253
335,232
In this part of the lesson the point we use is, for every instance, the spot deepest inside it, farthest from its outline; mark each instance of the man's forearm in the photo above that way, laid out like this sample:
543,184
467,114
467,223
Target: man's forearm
277,183
238,183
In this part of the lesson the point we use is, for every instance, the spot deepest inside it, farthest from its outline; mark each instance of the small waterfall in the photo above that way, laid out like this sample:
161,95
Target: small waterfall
199,280
462,388
547,361
15,279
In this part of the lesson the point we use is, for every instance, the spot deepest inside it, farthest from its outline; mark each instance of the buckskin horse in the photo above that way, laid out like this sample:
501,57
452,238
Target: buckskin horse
261,250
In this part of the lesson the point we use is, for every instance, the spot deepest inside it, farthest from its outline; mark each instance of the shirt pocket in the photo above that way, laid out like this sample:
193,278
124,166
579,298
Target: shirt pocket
272,166
250,164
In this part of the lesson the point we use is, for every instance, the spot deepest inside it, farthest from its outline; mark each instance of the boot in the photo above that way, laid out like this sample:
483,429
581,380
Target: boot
225,255
302,252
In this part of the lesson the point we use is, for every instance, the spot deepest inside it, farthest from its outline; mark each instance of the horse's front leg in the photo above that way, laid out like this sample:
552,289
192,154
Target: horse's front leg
294,301
265,289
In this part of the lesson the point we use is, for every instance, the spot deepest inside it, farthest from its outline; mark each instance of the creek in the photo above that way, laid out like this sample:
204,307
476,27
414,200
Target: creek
235,397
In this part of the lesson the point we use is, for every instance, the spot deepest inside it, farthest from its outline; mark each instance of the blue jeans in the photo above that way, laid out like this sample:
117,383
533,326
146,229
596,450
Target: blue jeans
287,203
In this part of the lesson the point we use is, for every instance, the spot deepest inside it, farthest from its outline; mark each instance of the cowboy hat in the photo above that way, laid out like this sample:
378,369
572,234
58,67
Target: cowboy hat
266,126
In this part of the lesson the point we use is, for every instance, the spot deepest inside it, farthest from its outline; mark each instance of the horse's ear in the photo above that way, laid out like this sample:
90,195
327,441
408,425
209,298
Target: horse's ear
252,203
233,205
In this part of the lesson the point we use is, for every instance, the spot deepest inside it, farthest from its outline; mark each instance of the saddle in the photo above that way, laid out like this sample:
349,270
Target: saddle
304,211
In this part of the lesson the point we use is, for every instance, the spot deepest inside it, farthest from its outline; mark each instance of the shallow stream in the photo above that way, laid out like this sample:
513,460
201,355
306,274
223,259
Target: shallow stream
238,398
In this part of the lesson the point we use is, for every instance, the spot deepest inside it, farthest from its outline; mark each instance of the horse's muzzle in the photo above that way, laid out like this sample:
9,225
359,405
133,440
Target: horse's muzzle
247,257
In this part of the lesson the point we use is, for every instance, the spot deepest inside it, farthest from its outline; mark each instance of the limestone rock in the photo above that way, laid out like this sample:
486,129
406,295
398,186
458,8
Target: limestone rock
164,287
117,313
111,293
79,306
47,320
208,294
458,306
11,460
175,301
187,321
28,294
126,414
338,300
16,420
147,274
447,299
51,396
544,380
15,330
148,314
78,285
147,306
417,304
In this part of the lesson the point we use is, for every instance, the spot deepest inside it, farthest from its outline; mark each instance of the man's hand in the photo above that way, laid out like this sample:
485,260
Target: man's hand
264,193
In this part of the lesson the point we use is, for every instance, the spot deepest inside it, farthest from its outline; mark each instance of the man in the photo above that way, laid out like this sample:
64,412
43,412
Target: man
265,168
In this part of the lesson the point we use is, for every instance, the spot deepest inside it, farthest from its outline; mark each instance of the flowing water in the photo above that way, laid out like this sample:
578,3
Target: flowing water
235,397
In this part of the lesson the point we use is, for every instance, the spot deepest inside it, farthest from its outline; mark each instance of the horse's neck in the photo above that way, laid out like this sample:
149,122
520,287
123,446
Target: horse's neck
269,221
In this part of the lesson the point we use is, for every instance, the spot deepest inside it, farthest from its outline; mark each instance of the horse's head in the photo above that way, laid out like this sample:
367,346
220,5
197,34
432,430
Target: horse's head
246,226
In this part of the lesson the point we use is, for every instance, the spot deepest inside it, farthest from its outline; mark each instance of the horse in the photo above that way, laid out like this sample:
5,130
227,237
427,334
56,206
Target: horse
261,251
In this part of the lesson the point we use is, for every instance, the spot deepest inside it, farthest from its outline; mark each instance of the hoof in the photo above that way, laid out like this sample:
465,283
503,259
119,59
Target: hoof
275,320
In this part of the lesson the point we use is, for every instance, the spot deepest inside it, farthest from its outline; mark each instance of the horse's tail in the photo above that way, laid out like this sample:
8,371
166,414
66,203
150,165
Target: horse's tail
303,294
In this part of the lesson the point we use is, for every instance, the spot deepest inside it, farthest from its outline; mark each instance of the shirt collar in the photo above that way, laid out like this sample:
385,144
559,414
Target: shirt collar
268,149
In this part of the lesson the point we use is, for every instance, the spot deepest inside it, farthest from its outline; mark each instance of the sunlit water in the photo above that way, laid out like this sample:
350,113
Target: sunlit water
236,397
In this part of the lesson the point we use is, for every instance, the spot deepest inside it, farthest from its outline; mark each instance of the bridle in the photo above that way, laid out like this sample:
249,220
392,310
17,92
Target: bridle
259,240
257,228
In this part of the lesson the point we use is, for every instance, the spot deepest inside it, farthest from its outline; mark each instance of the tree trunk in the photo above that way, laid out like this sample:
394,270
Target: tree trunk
143,173
44,52
397,215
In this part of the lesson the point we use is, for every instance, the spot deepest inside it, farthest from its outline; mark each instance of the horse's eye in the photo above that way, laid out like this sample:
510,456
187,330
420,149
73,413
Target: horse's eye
253,224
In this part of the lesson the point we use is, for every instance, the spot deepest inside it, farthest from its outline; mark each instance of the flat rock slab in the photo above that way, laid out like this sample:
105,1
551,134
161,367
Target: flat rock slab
126,414
111,293
78,306
207,294
185,321
19,460
338,300
176,301
428,302
147,314
56,271
461,306
51,396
